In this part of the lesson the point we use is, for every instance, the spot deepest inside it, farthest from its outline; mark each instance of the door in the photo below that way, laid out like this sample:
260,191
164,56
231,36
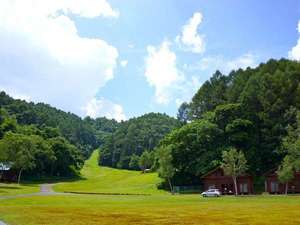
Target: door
274,187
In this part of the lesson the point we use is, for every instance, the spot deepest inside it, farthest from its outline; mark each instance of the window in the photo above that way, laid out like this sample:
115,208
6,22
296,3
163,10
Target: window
244,188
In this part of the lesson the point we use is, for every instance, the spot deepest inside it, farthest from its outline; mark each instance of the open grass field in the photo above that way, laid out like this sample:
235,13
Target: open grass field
146,210
15,189
109,180
157,208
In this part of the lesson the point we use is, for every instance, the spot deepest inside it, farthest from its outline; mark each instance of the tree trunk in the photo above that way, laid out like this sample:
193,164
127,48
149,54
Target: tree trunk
235,186
170,184
19,177
286,188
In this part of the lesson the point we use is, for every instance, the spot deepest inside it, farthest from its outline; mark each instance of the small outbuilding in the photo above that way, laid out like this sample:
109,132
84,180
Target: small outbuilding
217,179
273,186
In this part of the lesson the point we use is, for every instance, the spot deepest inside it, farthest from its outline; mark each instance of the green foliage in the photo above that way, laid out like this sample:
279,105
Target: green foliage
146,160
166,169
133,137
234,162
195,147
253,107
286,171
134,162
86,134
20,151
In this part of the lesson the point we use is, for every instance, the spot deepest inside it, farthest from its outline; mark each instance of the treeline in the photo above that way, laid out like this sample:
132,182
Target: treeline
86,134
39,140
132,143
250,110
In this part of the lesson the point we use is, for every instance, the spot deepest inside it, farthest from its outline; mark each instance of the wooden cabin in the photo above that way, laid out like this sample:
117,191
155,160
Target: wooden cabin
273,186
217,179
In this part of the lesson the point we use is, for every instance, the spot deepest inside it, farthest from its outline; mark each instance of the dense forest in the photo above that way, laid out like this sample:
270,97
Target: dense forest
51,142
135,138
47,141
250,110
253,110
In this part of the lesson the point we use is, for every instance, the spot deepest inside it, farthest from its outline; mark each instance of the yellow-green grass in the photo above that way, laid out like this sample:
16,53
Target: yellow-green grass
108,180
150,210
15,189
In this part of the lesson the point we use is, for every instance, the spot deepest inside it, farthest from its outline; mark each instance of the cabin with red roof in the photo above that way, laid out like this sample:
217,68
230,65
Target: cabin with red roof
217,179
273,186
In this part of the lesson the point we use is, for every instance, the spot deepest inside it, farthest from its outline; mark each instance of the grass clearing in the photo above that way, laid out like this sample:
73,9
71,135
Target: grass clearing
108,180
160,208
11,189
146,210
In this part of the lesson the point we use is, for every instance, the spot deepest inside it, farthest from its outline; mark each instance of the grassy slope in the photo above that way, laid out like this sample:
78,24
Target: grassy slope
109,180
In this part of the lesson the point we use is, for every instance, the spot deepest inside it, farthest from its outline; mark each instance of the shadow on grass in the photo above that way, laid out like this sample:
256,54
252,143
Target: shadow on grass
51,180
104,193
34,181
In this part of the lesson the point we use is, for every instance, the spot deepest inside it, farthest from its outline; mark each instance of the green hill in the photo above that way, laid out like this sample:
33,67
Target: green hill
108,180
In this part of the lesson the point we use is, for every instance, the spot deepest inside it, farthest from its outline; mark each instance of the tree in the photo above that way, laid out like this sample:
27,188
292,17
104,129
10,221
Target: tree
146,160
195,147
183,113
134,162
285,172
20,150
234,164
166,169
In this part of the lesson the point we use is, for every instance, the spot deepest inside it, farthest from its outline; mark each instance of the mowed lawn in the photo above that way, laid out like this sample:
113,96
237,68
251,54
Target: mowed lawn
158,207
15,189
146,210
108,180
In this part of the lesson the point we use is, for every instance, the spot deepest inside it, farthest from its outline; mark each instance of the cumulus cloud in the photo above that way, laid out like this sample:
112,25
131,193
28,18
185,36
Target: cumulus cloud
294,53
213,63
43,57
102,107
162,73
124,63
190,39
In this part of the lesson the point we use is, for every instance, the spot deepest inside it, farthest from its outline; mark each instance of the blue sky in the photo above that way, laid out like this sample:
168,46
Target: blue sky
122,59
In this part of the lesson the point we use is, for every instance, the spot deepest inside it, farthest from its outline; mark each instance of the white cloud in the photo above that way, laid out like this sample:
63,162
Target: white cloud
124,63
213,63
163,74
161,71
43,56
190,39
102,107
294,53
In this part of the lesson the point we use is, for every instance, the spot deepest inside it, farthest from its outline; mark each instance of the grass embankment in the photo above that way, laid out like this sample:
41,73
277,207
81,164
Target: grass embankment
97,179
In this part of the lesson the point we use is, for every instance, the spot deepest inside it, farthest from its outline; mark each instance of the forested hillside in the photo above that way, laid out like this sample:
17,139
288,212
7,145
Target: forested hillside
123,148
39,140
248,109
49,141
